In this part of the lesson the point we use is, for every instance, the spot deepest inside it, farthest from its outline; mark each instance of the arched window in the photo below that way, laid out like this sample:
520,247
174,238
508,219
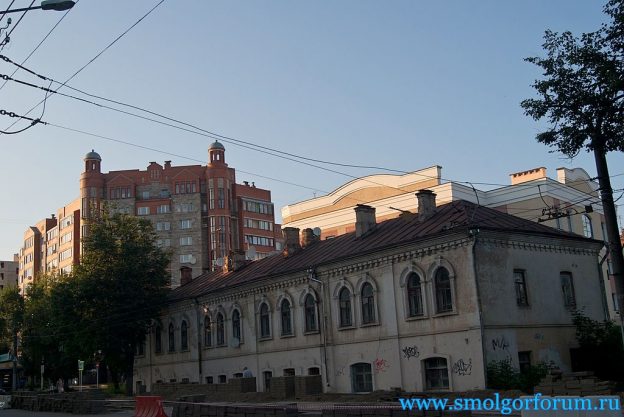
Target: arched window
158,339
368,304
588,231
207,332
236,325
265,321
414,295
443,293
344,298
310,313
436,374
286,318
361,377
171,338
220,330
183,336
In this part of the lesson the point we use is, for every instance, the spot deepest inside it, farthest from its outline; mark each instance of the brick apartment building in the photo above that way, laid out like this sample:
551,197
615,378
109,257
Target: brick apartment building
199,212
8,272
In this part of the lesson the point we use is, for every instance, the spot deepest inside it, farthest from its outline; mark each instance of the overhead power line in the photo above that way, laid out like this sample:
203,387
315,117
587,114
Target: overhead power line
8,36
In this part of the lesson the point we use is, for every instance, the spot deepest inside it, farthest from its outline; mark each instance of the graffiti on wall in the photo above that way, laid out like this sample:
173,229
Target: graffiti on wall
381,364
411,352
462,368
500,343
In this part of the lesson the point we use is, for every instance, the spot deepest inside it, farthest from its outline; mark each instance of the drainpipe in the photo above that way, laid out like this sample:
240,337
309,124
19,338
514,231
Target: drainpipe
473,233
199,349
605,307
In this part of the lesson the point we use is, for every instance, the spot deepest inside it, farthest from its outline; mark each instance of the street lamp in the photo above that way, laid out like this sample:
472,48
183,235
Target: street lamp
58,5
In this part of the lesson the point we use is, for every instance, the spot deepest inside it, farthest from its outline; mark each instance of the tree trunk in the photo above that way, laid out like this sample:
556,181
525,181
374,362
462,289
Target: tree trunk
130,373
613,234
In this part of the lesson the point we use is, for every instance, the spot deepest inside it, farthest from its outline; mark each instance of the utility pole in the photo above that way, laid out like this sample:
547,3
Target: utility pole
613,234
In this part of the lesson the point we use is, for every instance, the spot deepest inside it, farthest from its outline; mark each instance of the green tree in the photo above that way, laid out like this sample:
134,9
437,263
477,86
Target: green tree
122,283
581,96
11,317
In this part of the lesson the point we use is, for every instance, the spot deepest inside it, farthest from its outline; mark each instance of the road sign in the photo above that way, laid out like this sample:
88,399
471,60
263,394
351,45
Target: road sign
80,365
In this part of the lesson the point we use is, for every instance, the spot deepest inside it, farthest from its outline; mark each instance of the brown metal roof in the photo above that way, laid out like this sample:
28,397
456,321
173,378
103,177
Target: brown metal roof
449,218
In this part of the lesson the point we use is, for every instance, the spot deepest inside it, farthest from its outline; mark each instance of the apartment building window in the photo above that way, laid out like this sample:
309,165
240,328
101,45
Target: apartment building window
119,192
145,195
184,335
185,224
265,321
344,300
414,295
66,221
184,208
266,376
186,258
522,298
51,234
66,254
162,226
259,240
286,318
209,380
162,209
143,211
443,293
163,243
257,207
258,224
220,197
51,249
436,373
185,187
186,241
362,377
67,237
588,231
567,287
222,379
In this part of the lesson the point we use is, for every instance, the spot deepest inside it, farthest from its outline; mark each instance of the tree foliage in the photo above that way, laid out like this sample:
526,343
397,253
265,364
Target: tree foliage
600,347
11,316
581,93
122,285
106,304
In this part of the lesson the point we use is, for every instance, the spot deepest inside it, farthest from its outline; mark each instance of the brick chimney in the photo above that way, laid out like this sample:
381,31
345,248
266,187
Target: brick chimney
365,220
291,237
309,237
235,261
426,204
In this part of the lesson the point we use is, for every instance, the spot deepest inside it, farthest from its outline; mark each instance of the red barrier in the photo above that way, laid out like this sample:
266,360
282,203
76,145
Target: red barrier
149,407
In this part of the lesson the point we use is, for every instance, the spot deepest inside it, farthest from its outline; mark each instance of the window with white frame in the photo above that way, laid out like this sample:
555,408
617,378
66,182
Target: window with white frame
186,241
162,226
186,258
185,224
143,211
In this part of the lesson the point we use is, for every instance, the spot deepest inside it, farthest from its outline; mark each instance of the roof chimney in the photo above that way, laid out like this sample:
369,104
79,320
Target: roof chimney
426,204
309,237
167,164
235,261
364,219
291,237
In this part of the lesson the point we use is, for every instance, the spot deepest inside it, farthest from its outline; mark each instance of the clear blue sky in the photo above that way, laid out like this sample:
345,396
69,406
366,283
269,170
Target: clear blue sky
400,84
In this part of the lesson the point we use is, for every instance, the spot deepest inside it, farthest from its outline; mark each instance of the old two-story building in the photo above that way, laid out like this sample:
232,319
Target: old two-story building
422,302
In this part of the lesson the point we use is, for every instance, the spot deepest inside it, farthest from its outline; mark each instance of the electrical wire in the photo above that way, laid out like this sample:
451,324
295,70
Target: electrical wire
7,9
97,55
8,36
40,42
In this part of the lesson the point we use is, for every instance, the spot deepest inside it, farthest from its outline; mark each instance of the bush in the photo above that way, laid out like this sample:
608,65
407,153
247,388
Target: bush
503,375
